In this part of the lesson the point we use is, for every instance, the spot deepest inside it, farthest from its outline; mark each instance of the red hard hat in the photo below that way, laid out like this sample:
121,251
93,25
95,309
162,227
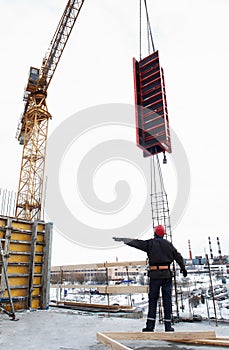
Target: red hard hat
159,230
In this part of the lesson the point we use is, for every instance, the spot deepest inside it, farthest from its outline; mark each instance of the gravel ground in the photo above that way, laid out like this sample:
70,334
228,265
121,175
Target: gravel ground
67,330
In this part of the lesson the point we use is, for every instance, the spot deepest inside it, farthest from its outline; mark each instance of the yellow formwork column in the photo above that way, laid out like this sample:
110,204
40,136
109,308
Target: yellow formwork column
27,250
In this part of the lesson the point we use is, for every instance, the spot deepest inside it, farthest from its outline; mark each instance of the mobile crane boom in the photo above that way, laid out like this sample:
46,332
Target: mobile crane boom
33,126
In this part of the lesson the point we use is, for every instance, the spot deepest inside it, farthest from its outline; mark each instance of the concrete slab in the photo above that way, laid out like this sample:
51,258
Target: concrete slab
69,330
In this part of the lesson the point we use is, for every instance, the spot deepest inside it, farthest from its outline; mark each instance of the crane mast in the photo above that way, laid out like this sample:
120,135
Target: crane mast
33,125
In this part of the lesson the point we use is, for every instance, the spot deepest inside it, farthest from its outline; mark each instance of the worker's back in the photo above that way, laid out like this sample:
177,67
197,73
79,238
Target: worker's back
160,253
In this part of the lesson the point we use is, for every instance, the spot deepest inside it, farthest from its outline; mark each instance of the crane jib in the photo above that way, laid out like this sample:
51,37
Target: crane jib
58,42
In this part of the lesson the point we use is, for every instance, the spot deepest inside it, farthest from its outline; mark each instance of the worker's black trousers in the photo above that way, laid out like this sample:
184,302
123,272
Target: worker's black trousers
154,289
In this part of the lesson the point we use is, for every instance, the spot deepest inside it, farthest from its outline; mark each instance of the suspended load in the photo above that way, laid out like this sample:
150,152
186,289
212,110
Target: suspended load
152,123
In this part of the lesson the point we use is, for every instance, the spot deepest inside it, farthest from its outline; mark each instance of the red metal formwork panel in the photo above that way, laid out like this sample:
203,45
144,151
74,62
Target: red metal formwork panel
152,123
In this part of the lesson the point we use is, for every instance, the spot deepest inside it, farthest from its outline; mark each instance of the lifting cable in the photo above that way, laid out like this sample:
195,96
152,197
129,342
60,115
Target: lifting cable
159,200
159,204
150,41
140,29
149,31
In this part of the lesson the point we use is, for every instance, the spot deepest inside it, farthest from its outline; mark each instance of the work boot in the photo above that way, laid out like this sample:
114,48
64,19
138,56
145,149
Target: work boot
168,327
150,324
146,329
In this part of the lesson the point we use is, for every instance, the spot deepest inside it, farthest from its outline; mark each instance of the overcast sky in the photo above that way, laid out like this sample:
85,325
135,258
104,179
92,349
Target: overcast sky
96,68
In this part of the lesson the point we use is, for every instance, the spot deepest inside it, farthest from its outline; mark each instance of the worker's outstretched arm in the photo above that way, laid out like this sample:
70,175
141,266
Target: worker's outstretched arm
135,243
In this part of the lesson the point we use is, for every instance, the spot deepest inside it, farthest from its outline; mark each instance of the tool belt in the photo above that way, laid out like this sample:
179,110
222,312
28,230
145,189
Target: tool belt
160,267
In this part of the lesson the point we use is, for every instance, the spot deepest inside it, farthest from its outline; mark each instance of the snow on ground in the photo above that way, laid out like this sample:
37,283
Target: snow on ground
58,329
67,330
195,285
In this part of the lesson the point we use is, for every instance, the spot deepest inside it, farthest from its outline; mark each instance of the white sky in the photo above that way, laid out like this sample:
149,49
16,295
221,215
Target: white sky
96,68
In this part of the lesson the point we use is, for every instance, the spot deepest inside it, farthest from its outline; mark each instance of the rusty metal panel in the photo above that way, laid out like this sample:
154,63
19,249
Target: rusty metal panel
152,123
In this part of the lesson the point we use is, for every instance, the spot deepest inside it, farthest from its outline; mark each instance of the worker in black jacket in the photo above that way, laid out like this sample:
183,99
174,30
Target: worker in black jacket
161,253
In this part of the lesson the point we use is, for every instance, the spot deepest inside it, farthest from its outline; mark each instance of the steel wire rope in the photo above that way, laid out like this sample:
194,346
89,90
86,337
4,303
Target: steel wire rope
153,168
150,36
140,29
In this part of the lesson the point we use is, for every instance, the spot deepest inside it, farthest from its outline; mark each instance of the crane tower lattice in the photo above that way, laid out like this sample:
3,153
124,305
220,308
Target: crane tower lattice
33,126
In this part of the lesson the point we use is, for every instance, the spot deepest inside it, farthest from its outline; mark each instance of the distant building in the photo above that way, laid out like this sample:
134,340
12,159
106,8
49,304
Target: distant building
221,260
199,260
94,274
218,265
74,273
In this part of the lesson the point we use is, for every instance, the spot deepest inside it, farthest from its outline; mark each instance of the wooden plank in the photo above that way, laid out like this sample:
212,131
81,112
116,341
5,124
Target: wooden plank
102,306
76,286
199,338
176,336
117,289
213,342
114,345
126,263
100,265
122,289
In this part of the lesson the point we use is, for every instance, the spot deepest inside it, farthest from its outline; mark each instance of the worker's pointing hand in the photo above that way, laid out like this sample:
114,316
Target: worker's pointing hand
117,239
124,240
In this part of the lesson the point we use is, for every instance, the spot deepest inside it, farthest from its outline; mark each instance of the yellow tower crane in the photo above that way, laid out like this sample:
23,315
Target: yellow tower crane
33,126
